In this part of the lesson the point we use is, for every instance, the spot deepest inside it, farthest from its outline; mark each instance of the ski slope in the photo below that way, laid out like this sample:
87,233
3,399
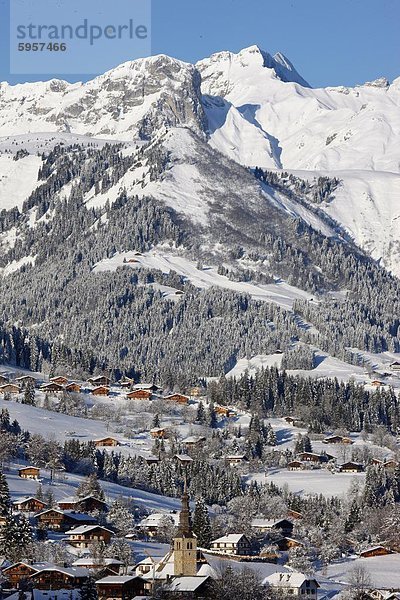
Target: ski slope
280,293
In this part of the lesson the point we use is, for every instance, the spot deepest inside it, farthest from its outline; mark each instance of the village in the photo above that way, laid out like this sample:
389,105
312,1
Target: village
171,560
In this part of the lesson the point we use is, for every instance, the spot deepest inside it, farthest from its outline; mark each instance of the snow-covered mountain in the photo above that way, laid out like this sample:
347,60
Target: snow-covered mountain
252,107
170,214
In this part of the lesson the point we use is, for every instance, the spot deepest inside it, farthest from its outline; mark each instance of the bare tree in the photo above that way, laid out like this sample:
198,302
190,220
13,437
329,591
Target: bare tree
360,582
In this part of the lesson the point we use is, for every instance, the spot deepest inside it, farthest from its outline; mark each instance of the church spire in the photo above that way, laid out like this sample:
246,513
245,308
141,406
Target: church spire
185,525
185,542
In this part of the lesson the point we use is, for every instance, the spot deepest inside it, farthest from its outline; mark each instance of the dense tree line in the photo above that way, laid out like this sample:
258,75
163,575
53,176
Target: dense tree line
323,404
70,316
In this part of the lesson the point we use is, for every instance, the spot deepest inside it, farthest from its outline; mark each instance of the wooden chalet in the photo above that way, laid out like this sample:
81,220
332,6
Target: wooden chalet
158,433
152,523
106,442
290,420
395,366
140,395
60,379
101,390
351,467
283,526
236,459
375,551
224,411
184,459
151,387
337,439
10,388
29,472
19,573
119,587
52,386
295,465
28,504
62,520
112,565
193,440
73,387
294,514
178,398
286,543
59,578
87,504
232,543
312,457
99,380
376,383
190,587
4,380
86,535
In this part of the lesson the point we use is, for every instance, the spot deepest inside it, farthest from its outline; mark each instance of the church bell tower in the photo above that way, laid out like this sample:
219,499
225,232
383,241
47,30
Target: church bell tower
185,543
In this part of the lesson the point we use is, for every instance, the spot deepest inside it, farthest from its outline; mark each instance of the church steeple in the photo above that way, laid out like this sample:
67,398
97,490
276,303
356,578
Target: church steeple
185,522
185,543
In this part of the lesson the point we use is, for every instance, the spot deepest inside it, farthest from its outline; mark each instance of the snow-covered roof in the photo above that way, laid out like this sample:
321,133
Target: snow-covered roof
77,516
71,571
231,538
89,562
25,499
116,579
156,519
287,579
75,500
184,457
86,528
236,456
28,467
144,386
268,523
187,584
193,439
39,566
373,548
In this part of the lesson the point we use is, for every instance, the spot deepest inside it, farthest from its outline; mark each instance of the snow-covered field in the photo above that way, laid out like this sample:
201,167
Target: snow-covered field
383,570
319,481
66,485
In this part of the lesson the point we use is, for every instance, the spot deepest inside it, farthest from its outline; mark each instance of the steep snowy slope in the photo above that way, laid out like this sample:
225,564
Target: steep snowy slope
252,107
367,204
349,133
331,128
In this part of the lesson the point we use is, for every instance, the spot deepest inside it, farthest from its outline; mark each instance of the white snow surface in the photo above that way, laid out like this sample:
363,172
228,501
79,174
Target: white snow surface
383,570
280,293
18,178
259,111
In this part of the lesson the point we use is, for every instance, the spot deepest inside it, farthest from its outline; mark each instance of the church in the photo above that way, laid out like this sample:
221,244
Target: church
184,569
